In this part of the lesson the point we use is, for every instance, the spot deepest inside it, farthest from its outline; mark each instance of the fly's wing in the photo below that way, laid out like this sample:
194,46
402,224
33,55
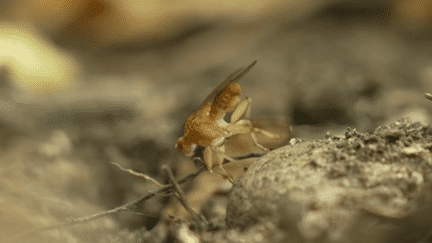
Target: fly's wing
237,75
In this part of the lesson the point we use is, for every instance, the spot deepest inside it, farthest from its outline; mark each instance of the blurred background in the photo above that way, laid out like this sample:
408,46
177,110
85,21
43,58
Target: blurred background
88,82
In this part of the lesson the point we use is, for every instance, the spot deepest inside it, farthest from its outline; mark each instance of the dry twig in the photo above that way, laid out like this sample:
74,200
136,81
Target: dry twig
139,175
166,189
126,207
199,218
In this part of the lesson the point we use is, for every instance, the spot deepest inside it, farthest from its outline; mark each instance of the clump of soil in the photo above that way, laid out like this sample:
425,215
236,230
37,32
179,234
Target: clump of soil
336,188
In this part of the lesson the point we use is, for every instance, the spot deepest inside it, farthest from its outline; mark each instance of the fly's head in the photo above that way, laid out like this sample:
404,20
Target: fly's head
186,146
187,143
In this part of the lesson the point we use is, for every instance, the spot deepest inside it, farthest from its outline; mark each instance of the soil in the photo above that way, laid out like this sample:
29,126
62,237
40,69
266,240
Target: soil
320,190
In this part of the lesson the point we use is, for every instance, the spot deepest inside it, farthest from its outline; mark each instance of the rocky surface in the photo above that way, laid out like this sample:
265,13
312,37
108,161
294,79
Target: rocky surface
316,190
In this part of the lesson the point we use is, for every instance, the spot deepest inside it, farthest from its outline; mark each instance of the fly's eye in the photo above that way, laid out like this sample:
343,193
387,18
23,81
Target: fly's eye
179,144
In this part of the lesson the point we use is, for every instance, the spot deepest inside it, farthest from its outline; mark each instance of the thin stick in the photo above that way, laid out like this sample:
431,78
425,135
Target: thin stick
167,189
139,175
199,218
126,207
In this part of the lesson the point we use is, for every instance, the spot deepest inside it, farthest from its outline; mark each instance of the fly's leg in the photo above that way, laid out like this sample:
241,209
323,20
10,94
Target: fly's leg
255,141
242,109
224,156
245,126
263,132
214,157
219,148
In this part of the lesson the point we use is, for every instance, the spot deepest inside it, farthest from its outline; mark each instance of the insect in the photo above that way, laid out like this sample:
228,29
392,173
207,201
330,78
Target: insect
207,126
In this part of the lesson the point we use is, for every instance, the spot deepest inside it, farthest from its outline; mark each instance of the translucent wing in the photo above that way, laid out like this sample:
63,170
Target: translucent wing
237,75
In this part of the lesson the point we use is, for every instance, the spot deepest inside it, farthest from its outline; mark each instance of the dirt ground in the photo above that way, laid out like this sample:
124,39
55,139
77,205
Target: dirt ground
87,84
